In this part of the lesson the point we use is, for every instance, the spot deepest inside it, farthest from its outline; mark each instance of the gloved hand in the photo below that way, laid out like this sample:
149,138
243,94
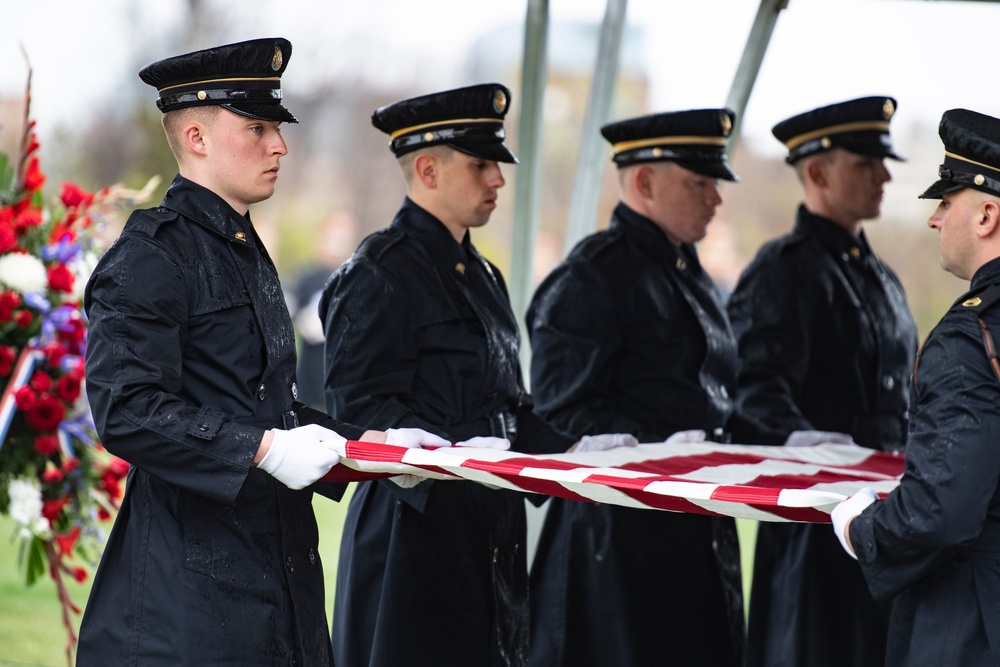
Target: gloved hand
847,510
604,441
693,435
485,442
810,438
413,438
300,456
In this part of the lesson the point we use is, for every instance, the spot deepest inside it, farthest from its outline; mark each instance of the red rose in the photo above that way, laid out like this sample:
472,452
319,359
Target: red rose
111,485
6,359
68,388
118,467
23,318
54,354
71,464
45,414
46,445
51,508
52,475
8,237
25,398
34,179
68,541
61,278
72,196
41,382
30,217
73,331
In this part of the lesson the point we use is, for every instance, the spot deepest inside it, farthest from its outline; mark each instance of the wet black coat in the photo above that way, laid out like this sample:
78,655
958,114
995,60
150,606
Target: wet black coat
826,343
420,334
191,356
629,335
933,547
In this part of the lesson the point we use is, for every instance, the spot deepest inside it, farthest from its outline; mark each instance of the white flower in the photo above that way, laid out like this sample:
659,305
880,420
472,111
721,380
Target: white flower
26,509
82,266
23,273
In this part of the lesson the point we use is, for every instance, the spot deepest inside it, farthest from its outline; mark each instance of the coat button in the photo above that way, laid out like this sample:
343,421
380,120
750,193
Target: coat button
261,394
203,427
290,564
312,557
888,382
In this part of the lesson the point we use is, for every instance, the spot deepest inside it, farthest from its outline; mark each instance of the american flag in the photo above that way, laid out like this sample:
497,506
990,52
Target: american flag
745,481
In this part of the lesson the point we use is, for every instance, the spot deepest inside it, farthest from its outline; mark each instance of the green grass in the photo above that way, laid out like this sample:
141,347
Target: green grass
31,629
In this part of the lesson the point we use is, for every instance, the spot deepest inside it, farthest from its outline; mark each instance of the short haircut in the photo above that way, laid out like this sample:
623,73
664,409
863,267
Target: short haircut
175,121
442,152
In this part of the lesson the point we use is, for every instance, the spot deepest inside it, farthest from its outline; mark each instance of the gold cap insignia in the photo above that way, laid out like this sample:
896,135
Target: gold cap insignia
681,264
825,142
277,59
974,301
979,179
499,101
240,236
657,152
202,94
727,124
460,268
428,136
888,109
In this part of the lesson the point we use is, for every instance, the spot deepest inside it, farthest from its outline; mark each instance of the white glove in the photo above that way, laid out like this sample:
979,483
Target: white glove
847,510
810,438
300,456
485,442
412,438
605,441
694,435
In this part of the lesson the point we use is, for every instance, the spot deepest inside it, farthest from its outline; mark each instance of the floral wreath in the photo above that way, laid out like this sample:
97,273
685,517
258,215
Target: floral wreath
57,482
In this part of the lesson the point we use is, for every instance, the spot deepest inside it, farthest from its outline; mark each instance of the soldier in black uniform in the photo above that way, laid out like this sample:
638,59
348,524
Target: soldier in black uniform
826,343
213,556
420,333
932,548
629,334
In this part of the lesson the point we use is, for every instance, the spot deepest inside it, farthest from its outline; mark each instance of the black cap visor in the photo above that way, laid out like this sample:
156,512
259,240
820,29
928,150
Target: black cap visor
497,152
262,111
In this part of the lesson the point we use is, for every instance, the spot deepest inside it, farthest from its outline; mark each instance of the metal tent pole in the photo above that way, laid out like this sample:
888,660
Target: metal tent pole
529,152
590,165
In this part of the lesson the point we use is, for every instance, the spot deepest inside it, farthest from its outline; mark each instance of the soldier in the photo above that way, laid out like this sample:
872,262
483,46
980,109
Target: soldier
420,333
931,548
212,559
826,345
629,334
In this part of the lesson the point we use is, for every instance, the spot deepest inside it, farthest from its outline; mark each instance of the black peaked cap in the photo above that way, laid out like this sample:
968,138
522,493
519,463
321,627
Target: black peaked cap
860,126
468,119
695,139
971,154
244,77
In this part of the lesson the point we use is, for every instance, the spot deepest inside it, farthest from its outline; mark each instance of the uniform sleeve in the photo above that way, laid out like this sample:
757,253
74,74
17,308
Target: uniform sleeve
371,348
137,303
771,314
574,333
952,467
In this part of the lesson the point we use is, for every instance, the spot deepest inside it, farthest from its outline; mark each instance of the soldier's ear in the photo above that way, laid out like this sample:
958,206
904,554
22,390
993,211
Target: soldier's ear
989,222
425,169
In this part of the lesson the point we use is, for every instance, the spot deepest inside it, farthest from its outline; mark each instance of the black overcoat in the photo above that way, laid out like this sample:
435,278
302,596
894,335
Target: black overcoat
629,335
933,547
191,357
827,343
420,334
